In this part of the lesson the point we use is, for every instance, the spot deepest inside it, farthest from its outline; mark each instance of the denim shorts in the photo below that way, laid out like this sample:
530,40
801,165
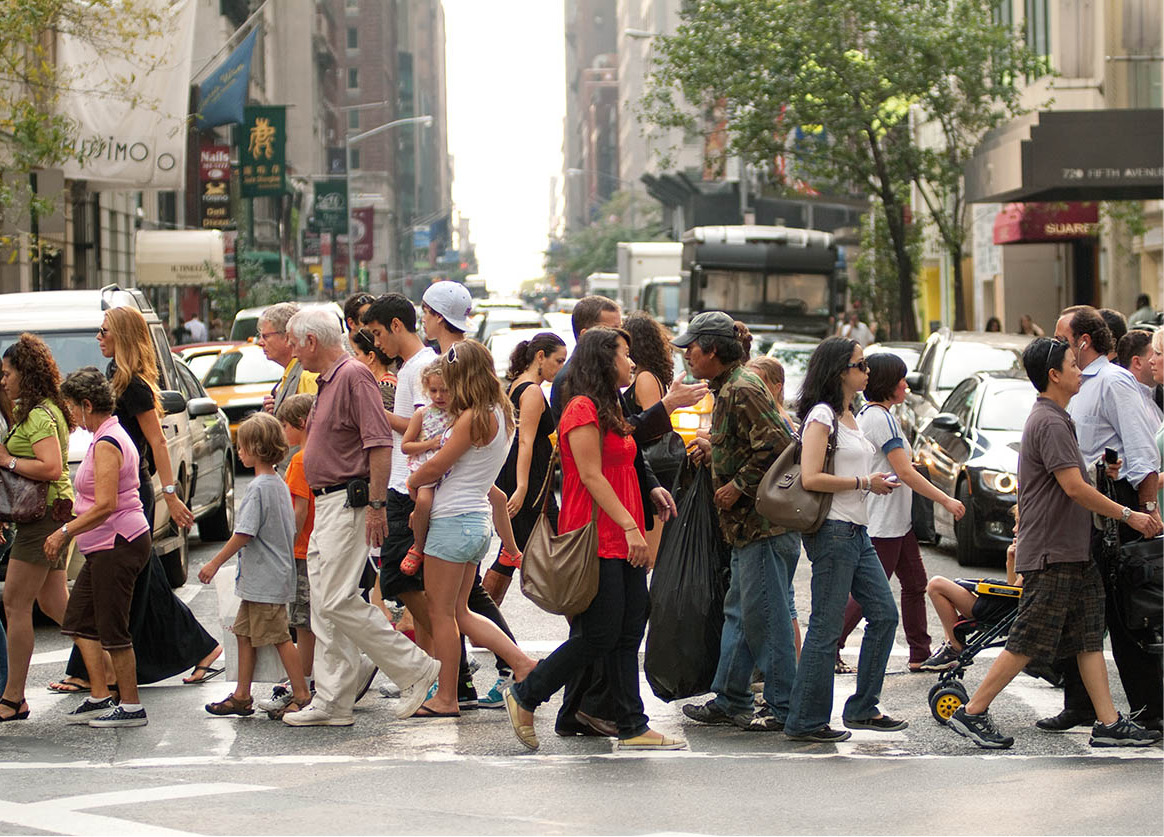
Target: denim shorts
461,539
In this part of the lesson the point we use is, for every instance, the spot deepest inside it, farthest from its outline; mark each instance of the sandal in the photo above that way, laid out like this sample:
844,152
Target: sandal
232,706
14,705
210,674
277,714
64,687
842,667
508,559
411,562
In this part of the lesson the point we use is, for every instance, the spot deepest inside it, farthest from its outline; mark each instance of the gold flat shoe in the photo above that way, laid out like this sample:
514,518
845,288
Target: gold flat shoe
650,742
524,732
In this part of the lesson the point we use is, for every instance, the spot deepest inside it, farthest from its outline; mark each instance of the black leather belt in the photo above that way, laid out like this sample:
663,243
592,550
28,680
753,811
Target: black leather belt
330,489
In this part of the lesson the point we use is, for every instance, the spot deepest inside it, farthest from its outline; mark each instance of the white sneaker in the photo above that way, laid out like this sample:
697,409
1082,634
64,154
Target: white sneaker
312,716
412,697
275,702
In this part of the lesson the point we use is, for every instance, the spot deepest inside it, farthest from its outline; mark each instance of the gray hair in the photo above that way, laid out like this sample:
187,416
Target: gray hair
279,314
320,323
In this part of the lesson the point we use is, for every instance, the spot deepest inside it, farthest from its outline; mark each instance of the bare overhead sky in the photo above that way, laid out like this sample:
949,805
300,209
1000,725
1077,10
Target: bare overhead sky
506,99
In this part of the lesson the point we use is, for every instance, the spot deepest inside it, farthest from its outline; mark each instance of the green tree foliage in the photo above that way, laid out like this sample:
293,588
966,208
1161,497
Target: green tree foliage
593,248
865,79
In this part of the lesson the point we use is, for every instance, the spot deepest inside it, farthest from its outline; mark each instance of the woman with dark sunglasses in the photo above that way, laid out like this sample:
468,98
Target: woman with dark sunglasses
842,556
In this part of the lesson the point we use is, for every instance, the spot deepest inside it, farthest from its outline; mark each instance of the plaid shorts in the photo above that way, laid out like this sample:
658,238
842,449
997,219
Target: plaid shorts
1060,613
299,611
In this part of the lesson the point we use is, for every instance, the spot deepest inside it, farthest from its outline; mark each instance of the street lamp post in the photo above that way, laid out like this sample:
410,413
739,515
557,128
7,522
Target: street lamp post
352,140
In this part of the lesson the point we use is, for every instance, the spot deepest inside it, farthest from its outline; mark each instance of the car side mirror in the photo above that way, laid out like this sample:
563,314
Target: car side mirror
203,406
172,401
947,422
916,381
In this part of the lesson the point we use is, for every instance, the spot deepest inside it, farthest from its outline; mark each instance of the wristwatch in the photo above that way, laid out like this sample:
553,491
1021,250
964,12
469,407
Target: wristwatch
1125,514
377,504
12,464
65,530
1149,506
170,489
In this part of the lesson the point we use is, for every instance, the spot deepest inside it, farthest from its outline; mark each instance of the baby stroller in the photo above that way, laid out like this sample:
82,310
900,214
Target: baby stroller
988,627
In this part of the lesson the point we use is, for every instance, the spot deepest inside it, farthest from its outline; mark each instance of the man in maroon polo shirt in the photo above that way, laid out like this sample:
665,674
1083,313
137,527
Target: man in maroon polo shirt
349,444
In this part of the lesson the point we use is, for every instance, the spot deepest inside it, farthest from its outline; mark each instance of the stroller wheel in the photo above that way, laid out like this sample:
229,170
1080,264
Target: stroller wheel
945,702
950,683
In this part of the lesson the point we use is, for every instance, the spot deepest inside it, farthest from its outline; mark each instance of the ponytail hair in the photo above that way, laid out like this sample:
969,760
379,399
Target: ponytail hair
525,352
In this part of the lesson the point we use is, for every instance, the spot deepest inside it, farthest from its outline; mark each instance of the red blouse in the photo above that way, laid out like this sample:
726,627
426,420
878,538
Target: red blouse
618,466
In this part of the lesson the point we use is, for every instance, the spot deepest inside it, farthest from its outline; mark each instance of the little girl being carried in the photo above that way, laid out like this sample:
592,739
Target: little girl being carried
425,434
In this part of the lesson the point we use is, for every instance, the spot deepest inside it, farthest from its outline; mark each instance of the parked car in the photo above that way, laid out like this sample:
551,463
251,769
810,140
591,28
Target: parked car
68,321
201,356
494,319
971,450
239,379
948,358
246,321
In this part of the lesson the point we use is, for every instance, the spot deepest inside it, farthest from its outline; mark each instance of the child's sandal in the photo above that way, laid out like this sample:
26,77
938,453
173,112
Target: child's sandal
411,562
232,706
508,559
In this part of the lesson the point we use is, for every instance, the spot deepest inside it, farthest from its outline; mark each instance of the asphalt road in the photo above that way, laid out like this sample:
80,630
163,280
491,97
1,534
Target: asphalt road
190,773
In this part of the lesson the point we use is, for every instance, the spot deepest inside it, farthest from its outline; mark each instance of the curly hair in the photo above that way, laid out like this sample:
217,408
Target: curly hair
650,347
467,368
88,384
40,379
524,352
822,378
592,373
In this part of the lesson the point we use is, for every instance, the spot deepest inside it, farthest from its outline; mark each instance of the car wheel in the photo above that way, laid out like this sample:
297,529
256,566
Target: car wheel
177,563
964,530
219,525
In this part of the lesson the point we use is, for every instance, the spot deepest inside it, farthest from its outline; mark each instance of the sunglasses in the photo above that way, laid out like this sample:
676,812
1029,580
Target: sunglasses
1050,348
451,355
103,331
861,364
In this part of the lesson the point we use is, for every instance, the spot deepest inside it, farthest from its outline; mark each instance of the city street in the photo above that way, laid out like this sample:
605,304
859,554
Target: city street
190,773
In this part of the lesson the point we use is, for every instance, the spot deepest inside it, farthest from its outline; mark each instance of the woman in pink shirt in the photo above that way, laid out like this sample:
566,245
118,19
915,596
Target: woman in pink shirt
112,532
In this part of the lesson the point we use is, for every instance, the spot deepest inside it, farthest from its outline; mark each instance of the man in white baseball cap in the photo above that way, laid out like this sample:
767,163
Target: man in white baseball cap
446,307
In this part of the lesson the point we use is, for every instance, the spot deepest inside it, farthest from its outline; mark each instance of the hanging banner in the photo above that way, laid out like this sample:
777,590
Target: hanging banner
331,206
262,153
222,97
362,220
138,143
214,182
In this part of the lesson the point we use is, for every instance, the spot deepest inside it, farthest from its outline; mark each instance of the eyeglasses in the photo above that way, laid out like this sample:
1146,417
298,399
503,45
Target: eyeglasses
861,364
267,335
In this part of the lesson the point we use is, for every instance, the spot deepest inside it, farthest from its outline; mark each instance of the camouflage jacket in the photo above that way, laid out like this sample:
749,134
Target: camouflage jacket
746,437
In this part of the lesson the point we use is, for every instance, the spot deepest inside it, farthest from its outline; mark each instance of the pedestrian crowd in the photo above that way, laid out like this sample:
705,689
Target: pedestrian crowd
385,462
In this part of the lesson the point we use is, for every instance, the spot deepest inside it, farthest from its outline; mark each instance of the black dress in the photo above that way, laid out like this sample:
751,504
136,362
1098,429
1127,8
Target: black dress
523,522
167,638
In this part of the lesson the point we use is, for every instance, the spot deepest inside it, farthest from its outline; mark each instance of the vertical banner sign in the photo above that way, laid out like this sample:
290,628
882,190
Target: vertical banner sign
214,181
222,97
262,151
331,205
325,258
362,224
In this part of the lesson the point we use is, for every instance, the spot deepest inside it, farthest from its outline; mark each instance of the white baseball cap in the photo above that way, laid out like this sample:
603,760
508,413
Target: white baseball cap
452,301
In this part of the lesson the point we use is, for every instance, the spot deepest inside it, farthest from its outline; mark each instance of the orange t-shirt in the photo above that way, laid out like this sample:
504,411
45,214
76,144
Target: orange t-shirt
297,483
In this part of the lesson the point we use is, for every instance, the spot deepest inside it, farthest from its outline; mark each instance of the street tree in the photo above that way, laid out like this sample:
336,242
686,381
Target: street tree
840,88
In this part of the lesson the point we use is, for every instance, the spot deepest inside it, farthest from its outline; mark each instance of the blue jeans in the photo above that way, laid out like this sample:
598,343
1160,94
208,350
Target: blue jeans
757,628
843,561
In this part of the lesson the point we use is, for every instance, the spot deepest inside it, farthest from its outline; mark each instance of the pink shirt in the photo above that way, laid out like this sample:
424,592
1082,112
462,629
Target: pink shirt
350,417
128,519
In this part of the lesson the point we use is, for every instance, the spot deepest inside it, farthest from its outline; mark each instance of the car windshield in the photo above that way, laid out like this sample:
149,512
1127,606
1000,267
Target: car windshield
71,349
200,364
247,366
1006,408
964,359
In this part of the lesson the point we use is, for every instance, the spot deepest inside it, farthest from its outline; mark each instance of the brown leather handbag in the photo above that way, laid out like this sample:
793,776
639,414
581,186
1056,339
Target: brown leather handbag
781,497
22,500
559,573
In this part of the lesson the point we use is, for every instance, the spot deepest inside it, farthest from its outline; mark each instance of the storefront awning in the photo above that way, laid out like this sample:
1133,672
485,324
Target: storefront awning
1030,223
178,257
1079,155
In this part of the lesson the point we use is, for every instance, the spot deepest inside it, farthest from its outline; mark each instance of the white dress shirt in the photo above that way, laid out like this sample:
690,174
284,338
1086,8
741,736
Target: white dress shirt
1109,412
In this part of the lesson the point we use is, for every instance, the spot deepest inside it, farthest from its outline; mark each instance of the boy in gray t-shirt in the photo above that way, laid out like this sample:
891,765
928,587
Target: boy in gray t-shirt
264,532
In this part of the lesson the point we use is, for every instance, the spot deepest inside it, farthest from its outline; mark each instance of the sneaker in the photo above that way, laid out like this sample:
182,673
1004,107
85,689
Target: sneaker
389,690
823,735
707,713
474,664
495,697
882,724
467,696
416,694
368,671
762,721
278,701
943,659
119,717
90,709
312,716
980,729
1123,733
1065,720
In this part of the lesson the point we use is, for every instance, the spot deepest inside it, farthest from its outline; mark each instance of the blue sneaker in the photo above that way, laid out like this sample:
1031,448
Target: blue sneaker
120,717
495,698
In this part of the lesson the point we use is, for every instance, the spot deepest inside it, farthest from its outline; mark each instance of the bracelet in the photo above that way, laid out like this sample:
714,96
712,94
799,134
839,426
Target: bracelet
858,479
629,528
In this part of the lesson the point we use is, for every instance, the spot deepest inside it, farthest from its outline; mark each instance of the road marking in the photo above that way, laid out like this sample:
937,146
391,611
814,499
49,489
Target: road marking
63,815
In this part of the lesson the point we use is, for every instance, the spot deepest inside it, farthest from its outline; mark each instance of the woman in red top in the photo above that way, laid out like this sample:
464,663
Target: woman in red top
598,456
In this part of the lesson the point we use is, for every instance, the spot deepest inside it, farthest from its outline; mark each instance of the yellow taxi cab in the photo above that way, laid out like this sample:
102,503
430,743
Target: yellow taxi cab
239,380
688,421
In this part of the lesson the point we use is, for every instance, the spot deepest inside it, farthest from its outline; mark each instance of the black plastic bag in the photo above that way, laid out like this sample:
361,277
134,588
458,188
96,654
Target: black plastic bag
687,592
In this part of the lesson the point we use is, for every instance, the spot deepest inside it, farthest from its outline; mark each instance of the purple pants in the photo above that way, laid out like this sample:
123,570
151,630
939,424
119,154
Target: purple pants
900,556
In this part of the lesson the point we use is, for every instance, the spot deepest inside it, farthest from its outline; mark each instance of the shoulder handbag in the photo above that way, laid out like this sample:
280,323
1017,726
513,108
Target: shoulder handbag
559,573
782,498
22,500
666,454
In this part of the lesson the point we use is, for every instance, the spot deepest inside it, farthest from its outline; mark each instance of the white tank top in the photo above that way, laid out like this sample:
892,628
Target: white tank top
465,488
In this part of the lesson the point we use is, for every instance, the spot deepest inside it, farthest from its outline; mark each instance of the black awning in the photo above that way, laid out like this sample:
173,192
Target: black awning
1071,155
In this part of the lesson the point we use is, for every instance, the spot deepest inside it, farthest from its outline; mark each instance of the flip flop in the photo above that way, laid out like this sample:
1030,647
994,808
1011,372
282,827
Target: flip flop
64,687
210,674
425,712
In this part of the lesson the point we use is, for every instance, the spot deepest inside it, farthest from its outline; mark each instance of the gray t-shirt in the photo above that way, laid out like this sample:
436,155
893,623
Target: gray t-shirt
266,565
1053,528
